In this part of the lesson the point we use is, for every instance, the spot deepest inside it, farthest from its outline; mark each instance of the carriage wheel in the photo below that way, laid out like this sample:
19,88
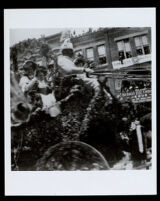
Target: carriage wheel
72,155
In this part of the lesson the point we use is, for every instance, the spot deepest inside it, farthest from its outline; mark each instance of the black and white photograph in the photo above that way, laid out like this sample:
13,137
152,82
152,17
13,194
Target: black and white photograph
80,99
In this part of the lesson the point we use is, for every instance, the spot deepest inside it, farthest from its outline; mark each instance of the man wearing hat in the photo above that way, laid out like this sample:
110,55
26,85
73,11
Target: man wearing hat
67,66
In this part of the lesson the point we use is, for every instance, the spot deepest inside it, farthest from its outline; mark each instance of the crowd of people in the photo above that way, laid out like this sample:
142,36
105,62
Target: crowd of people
37,81
131,86
36,84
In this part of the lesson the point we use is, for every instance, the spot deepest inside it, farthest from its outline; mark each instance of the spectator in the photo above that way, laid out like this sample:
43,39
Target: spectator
121,57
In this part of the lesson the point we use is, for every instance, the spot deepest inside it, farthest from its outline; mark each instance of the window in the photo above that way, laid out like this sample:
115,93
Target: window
124,49
101,54
90,54
142,45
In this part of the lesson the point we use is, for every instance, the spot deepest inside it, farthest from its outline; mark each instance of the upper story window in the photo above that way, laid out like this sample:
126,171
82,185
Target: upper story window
142,45
102,54
90,54
124,49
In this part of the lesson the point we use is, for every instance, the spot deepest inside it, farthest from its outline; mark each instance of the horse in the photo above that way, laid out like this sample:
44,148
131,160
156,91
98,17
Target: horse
20,107
20,111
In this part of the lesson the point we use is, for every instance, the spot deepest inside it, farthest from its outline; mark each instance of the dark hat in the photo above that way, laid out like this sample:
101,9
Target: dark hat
29,64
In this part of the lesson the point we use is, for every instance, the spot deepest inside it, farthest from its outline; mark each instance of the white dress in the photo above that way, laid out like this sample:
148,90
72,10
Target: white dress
50,106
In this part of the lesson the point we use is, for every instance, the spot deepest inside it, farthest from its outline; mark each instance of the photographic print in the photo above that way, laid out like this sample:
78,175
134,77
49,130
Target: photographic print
80,99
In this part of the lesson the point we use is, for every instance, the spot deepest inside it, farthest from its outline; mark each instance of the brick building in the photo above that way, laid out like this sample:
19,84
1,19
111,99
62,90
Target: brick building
111,48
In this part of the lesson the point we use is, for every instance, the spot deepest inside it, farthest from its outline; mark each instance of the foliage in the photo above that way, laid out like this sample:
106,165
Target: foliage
44,50
104,129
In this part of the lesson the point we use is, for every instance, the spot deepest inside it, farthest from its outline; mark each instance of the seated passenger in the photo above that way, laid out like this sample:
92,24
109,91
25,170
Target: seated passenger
28,84
28,81
47,94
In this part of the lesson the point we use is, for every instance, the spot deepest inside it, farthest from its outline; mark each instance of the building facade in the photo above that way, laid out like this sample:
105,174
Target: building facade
111,48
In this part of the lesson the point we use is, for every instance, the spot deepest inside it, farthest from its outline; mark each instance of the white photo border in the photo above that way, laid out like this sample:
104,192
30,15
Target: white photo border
113,182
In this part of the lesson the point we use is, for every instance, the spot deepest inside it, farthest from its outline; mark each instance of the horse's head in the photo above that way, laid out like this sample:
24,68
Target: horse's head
20,108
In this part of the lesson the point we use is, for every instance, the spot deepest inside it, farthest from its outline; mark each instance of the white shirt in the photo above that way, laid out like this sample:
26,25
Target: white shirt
67,66
24,81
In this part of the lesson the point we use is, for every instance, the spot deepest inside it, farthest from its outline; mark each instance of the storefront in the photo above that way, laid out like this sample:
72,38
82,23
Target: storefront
130,85
134,90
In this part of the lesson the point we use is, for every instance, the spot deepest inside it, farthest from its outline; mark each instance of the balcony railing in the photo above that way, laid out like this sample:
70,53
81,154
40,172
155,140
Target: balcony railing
131,61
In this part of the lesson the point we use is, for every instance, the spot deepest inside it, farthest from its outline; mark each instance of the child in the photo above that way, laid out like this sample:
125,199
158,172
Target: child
47,95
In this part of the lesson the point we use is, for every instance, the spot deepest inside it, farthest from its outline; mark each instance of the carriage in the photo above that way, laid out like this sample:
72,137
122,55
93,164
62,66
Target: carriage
133,86
102,125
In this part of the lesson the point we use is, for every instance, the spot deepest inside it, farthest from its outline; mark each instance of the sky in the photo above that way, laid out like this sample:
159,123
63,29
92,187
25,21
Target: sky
17,35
